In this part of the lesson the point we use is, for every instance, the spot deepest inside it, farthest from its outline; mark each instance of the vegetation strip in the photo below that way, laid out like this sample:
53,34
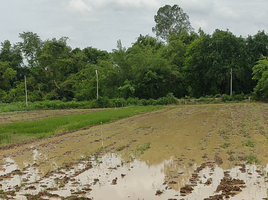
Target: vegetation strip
189,63
54,125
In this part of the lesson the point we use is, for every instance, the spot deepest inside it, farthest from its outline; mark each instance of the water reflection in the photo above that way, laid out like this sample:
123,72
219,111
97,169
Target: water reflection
110,177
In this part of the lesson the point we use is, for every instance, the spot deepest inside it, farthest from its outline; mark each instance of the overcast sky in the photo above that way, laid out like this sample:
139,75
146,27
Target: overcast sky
100,23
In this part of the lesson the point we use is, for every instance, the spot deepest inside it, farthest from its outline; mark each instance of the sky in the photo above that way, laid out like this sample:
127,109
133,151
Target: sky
101,23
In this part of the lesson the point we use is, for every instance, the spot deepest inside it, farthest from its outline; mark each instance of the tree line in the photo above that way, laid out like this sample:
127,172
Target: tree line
178,61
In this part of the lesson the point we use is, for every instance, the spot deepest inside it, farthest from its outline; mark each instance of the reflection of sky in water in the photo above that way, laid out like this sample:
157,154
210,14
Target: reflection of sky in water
8,167
139,182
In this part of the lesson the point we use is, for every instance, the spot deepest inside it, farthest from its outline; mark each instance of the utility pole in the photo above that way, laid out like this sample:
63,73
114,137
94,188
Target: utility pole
97,85
26,98
231,82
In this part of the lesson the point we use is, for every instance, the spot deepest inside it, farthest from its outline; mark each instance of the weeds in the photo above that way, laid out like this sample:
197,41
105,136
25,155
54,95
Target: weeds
120,148
246,134
144,147
224,134
249,143
252,159
3,194
225,145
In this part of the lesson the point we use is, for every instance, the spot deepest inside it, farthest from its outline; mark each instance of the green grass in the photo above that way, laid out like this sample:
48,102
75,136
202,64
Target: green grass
249,143
24,131
252,159
143,148
16,106
120,148
225,145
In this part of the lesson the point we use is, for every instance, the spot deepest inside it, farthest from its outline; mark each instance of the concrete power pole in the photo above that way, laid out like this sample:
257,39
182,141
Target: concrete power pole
231,82
97,84
26,97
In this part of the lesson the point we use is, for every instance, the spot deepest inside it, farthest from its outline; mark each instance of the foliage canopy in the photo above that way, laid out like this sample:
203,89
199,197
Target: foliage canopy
191,64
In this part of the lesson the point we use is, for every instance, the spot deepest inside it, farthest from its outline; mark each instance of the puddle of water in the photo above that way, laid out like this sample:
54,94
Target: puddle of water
181,140
109,177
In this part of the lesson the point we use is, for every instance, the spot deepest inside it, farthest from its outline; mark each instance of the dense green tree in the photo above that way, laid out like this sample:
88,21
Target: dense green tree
54,66
210,60
257,46
195,64
121,64
84,86
11,54
151,72
94,55
31,47
7,76
260,74
10,68
171,20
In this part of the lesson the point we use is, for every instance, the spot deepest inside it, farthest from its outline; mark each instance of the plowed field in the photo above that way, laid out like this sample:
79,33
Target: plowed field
179,152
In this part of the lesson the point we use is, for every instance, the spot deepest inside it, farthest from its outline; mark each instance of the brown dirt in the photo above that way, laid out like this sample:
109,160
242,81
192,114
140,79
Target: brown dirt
194,136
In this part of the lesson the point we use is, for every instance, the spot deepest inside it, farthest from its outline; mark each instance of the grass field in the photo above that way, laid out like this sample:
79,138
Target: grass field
28,130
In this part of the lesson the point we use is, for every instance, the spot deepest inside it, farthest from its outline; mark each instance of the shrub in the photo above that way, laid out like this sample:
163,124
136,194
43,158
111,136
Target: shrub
3,95
202,100
132,101
143,102
217,96
169,99
238,97
226,97
152,102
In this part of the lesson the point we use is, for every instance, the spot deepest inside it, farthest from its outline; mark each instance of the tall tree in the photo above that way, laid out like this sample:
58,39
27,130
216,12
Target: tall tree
260,73
171,20
10,64
151,72
209,62
31,47
55,64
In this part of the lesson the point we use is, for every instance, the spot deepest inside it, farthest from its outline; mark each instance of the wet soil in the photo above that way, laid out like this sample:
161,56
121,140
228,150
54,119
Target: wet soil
195,152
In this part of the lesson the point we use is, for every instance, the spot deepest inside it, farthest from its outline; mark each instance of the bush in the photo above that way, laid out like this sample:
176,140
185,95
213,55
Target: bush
119,102
143,102
132,101
102,102
226,97
217,96
238,97
152,102
61,105
169,99
3,95
203,100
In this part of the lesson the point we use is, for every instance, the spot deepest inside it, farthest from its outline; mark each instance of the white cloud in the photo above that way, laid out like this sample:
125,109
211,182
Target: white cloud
227,13
197,6
100,23
200,23
79,6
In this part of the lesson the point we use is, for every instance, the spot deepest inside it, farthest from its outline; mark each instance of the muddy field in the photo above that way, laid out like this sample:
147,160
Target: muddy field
179,152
